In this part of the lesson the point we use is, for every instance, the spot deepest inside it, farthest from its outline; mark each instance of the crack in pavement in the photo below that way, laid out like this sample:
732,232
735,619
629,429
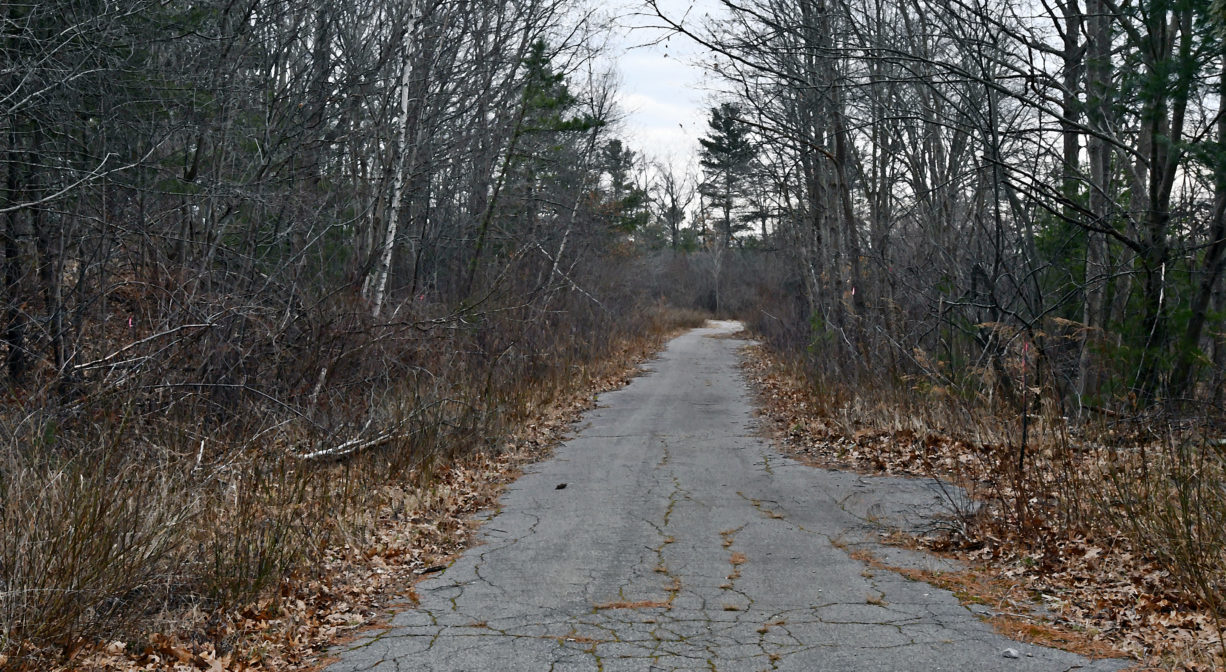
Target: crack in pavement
683,542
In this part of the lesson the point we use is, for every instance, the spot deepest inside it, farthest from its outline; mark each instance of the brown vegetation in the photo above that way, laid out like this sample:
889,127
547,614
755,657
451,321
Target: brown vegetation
335,543
278,273
1122,560
281,279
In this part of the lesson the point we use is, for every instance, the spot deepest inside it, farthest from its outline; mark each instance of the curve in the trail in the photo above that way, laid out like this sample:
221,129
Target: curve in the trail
682,541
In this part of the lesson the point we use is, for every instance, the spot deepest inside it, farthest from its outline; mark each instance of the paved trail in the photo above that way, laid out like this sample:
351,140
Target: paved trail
682,541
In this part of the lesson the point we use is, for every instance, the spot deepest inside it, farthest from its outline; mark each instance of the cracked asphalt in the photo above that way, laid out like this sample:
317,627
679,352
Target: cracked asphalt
682,541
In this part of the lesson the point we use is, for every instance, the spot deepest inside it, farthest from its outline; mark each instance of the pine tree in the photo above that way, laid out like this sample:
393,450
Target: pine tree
627,201
726,156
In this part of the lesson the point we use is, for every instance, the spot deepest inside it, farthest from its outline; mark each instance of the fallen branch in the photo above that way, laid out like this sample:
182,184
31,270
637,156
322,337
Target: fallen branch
358,445
102,361
349,447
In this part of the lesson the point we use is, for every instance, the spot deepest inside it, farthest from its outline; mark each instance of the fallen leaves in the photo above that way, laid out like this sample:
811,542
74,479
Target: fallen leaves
1048,580
419,528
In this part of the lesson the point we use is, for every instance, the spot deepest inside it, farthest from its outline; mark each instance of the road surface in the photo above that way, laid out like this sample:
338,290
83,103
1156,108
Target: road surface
667,535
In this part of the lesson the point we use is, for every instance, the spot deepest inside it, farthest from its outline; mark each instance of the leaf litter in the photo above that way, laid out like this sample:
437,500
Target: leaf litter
417,531
1090,592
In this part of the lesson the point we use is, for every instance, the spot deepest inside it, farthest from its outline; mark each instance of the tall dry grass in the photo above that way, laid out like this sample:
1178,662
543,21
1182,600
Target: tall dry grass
205,465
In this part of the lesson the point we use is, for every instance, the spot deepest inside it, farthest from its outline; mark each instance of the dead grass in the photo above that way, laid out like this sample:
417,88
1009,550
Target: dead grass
729,536
187,547
1117,531
1013,607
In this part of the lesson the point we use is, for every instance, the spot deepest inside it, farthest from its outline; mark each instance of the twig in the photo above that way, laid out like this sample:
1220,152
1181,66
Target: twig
100,362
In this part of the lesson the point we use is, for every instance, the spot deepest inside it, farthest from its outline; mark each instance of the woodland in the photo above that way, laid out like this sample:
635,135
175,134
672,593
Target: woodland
264,259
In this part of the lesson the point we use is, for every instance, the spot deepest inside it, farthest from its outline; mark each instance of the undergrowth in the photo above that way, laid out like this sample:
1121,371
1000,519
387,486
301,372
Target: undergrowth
1115,522
195,470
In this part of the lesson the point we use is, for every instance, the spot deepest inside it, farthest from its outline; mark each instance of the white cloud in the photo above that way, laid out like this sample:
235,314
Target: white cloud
652,111
662,90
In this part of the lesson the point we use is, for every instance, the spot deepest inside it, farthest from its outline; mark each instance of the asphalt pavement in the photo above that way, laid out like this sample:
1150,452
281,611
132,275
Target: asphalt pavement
669,535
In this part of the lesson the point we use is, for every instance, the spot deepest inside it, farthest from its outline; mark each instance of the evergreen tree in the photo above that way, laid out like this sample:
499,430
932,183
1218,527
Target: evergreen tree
726,157
627,201
549,134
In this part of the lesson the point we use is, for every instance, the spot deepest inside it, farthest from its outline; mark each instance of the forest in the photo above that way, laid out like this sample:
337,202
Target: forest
265,259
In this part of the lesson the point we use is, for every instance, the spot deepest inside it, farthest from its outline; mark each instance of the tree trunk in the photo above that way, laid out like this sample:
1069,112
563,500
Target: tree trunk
16,360
1098,108
1211,267
384,267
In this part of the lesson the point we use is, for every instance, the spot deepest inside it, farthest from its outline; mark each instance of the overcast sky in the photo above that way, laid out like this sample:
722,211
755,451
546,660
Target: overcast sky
663,91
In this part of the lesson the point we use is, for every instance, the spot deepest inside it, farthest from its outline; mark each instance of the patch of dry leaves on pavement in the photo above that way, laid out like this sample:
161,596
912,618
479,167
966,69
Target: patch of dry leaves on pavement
418,530
1091,592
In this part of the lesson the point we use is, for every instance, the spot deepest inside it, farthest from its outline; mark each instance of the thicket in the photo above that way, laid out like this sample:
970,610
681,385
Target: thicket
261,258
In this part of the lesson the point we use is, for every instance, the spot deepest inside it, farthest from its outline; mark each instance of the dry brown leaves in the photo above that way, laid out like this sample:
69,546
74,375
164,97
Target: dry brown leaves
419,529
1091,593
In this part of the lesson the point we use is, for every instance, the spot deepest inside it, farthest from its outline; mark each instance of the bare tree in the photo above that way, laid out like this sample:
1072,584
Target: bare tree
1005,167
673,195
